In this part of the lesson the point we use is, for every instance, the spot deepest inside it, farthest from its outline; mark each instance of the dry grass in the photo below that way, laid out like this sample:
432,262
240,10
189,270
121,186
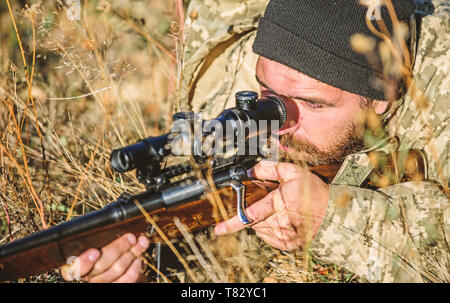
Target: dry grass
69,95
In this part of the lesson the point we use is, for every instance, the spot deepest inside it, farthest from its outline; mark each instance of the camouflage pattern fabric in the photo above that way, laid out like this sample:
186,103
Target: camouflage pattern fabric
398,233
218,56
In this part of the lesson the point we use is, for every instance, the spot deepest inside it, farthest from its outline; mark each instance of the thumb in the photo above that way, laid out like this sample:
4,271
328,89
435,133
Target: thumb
81,265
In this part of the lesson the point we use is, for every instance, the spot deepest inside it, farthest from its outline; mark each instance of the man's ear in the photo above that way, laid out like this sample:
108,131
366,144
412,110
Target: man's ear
380,106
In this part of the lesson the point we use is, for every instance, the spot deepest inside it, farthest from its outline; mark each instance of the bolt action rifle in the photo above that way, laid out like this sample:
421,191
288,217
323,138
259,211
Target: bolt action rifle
174,191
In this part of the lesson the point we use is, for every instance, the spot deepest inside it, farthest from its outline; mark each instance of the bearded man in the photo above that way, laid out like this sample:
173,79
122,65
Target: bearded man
335,74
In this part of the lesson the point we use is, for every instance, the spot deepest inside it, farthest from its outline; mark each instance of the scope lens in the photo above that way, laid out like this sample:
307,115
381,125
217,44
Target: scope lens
120,161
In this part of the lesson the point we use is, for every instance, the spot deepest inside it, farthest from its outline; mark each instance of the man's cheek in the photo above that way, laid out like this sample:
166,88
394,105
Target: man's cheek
304,137
318,133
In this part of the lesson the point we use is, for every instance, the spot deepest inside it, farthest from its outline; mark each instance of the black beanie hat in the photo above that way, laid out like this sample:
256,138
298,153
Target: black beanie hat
313,37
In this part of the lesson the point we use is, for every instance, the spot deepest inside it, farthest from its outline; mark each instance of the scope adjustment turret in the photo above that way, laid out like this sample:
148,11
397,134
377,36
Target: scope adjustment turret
246,100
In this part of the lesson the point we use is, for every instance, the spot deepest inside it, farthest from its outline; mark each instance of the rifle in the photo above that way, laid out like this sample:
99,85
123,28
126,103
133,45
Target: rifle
167,194
174,191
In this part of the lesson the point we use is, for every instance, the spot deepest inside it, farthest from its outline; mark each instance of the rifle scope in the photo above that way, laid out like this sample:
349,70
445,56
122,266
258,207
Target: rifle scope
248,108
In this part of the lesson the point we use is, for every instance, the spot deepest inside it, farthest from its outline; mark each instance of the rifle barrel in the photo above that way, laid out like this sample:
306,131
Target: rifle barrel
52,248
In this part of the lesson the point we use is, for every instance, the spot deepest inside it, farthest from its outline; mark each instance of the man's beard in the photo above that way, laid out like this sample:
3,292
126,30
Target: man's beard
300,151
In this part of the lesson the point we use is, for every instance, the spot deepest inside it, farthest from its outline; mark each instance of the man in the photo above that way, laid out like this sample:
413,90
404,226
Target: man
310,57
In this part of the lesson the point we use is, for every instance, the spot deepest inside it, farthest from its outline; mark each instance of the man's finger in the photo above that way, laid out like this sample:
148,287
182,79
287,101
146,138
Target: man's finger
141,246
280,243
81,265
276,171
112,252
122,265
257,212
133,274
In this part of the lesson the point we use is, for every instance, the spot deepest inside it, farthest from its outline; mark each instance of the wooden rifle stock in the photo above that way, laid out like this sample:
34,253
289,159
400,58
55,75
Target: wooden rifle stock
51,249
194,215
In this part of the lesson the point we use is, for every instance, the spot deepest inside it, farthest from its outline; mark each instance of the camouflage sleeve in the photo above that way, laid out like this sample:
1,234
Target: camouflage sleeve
398,234
218,59
423,124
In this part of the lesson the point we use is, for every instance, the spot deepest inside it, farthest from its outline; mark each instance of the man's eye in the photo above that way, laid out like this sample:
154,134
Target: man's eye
313,105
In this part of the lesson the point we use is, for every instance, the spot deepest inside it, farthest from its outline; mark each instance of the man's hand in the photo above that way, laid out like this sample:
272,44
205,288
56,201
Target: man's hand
116,262
290,215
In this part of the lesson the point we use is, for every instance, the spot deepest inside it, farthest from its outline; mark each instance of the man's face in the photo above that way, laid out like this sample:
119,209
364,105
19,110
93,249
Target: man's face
324,123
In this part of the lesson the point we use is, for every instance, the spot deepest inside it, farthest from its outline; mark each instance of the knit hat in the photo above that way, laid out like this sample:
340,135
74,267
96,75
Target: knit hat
313,37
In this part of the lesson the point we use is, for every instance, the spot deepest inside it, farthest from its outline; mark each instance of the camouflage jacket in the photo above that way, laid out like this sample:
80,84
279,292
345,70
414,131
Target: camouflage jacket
397,233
